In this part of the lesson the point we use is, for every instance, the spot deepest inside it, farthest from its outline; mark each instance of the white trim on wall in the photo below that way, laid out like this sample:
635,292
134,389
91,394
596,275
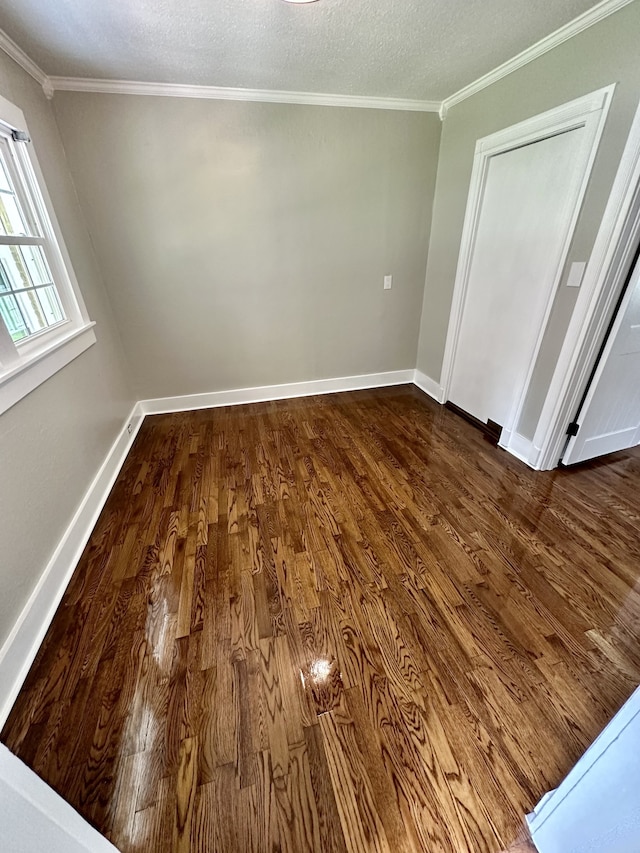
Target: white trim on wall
22,644
35,817
543,822
568,31
16,53
613,250
517,445
264,393
429,386
220,93
26,376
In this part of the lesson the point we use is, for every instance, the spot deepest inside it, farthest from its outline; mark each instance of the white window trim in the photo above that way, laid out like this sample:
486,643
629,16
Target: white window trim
43,355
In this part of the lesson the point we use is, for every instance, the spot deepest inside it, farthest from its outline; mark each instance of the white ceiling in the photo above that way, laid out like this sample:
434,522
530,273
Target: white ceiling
419,49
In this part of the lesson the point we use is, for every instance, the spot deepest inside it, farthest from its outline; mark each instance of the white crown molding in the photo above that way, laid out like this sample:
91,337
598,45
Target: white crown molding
582,22
18,55
177,90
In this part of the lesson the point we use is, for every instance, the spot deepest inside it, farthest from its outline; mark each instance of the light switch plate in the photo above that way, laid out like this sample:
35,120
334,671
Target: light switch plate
388,281
575,274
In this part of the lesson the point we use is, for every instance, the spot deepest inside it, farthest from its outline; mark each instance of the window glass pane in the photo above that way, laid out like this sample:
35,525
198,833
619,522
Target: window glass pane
31,310
12,219
36,265
5,283
50,305
13,319
5,183
23,266
28,296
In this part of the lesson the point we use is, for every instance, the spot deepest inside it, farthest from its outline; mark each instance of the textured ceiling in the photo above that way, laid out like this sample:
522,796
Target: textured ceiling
425,49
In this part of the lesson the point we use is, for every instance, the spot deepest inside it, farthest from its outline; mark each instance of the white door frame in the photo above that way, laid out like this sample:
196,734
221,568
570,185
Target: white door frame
605,275
573,810
590,112
36,818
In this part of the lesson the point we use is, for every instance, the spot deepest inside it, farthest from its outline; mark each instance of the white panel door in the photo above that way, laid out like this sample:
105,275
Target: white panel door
526,210
609,420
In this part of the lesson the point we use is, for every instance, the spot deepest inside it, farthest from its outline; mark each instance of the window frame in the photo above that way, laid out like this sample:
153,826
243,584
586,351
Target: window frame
26,364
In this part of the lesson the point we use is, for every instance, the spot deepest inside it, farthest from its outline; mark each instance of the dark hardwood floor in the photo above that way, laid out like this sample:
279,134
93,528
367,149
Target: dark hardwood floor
340,623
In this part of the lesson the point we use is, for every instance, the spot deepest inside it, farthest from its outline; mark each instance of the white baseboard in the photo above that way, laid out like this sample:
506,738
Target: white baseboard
429,386
22,644
521,447
187,402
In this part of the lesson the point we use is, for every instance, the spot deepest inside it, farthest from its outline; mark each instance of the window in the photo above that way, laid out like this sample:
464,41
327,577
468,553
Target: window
43,321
